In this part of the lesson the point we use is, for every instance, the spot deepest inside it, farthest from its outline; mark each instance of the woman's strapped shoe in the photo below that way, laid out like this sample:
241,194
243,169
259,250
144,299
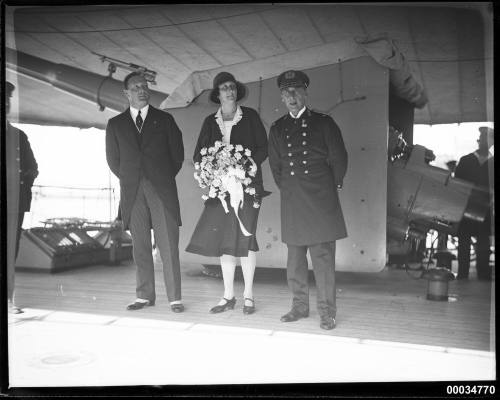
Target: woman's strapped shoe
249,309
228,305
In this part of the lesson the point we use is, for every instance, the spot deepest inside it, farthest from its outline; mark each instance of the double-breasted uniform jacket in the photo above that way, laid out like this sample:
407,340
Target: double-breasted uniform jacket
157,153
248,132
308,160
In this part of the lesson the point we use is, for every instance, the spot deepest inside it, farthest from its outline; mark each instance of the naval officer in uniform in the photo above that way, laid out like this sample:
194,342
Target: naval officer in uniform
308,161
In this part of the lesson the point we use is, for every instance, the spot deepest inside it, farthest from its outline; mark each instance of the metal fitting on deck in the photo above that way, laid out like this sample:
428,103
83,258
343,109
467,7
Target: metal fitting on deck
438,278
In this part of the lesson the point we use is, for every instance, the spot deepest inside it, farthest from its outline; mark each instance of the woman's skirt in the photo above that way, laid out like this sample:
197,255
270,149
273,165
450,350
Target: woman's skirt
218,233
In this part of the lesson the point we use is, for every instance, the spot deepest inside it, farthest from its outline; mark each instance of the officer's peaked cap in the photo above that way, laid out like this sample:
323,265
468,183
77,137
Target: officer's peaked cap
293,78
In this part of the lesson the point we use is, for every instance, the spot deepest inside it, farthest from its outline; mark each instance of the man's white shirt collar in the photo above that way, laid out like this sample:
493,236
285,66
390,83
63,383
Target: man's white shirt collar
135,111
299,113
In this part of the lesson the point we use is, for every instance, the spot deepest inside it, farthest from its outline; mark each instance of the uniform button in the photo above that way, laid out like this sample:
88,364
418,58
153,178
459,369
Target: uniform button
288,136
292,173
289,145
304,162
306,171
304,134
304,142
289,154
291,164
305,152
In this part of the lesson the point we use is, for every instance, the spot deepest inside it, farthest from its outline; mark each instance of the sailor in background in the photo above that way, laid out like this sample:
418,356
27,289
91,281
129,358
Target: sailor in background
22,169
308,161
476,168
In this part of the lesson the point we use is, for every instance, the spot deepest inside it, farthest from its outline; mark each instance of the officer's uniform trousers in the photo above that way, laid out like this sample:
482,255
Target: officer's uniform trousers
323,261
149,212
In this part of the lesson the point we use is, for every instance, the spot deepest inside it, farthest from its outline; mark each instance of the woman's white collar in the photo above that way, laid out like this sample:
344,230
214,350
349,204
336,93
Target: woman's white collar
237,117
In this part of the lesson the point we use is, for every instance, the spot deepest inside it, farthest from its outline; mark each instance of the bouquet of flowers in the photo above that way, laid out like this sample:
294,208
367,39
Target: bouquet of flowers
227,169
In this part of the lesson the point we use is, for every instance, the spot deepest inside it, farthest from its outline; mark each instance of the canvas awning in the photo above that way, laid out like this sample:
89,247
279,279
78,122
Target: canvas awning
382,49
186,44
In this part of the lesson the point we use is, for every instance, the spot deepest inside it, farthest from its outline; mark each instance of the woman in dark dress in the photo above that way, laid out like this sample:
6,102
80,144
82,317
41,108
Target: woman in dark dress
218,234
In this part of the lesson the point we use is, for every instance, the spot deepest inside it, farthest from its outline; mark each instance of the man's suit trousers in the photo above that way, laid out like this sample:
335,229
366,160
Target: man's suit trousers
323,260
149,212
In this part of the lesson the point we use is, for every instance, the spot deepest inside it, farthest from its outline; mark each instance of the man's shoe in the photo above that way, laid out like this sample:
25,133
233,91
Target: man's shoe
327,323
177,308
137,305
294,315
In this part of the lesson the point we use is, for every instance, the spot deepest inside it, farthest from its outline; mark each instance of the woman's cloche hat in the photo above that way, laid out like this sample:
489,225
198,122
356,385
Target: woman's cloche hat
221,78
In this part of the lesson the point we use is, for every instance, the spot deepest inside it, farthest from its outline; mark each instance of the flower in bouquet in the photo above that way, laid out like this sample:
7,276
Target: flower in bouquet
225,160
227,169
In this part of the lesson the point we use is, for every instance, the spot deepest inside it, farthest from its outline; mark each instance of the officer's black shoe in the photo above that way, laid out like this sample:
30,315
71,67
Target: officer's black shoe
177,308
327,322
294,315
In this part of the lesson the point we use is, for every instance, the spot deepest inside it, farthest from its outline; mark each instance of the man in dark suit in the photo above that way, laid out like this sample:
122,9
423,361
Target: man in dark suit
308,161
22,163
476,167
144,149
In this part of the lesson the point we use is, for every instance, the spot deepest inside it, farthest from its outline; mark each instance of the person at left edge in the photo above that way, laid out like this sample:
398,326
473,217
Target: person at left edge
22,169
144,149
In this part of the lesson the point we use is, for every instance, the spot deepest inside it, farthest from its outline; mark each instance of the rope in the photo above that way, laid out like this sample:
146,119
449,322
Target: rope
72,188
133,28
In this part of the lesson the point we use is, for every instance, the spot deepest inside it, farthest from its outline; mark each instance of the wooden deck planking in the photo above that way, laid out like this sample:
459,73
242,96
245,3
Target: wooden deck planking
389,305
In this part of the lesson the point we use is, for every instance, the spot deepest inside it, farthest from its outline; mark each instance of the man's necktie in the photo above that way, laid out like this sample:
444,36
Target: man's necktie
139,121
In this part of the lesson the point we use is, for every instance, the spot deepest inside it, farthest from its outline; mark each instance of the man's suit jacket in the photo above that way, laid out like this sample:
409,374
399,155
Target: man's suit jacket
156,153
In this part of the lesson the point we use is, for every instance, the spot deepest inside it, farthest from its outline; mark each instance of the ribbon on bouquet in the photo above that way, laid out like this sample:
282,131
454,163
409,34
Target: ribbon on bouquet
235,190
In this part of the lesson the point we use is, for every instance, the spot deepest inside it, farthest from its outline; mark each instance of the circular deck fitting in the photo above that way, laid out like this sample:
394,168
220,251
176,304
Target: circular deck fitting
63,360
